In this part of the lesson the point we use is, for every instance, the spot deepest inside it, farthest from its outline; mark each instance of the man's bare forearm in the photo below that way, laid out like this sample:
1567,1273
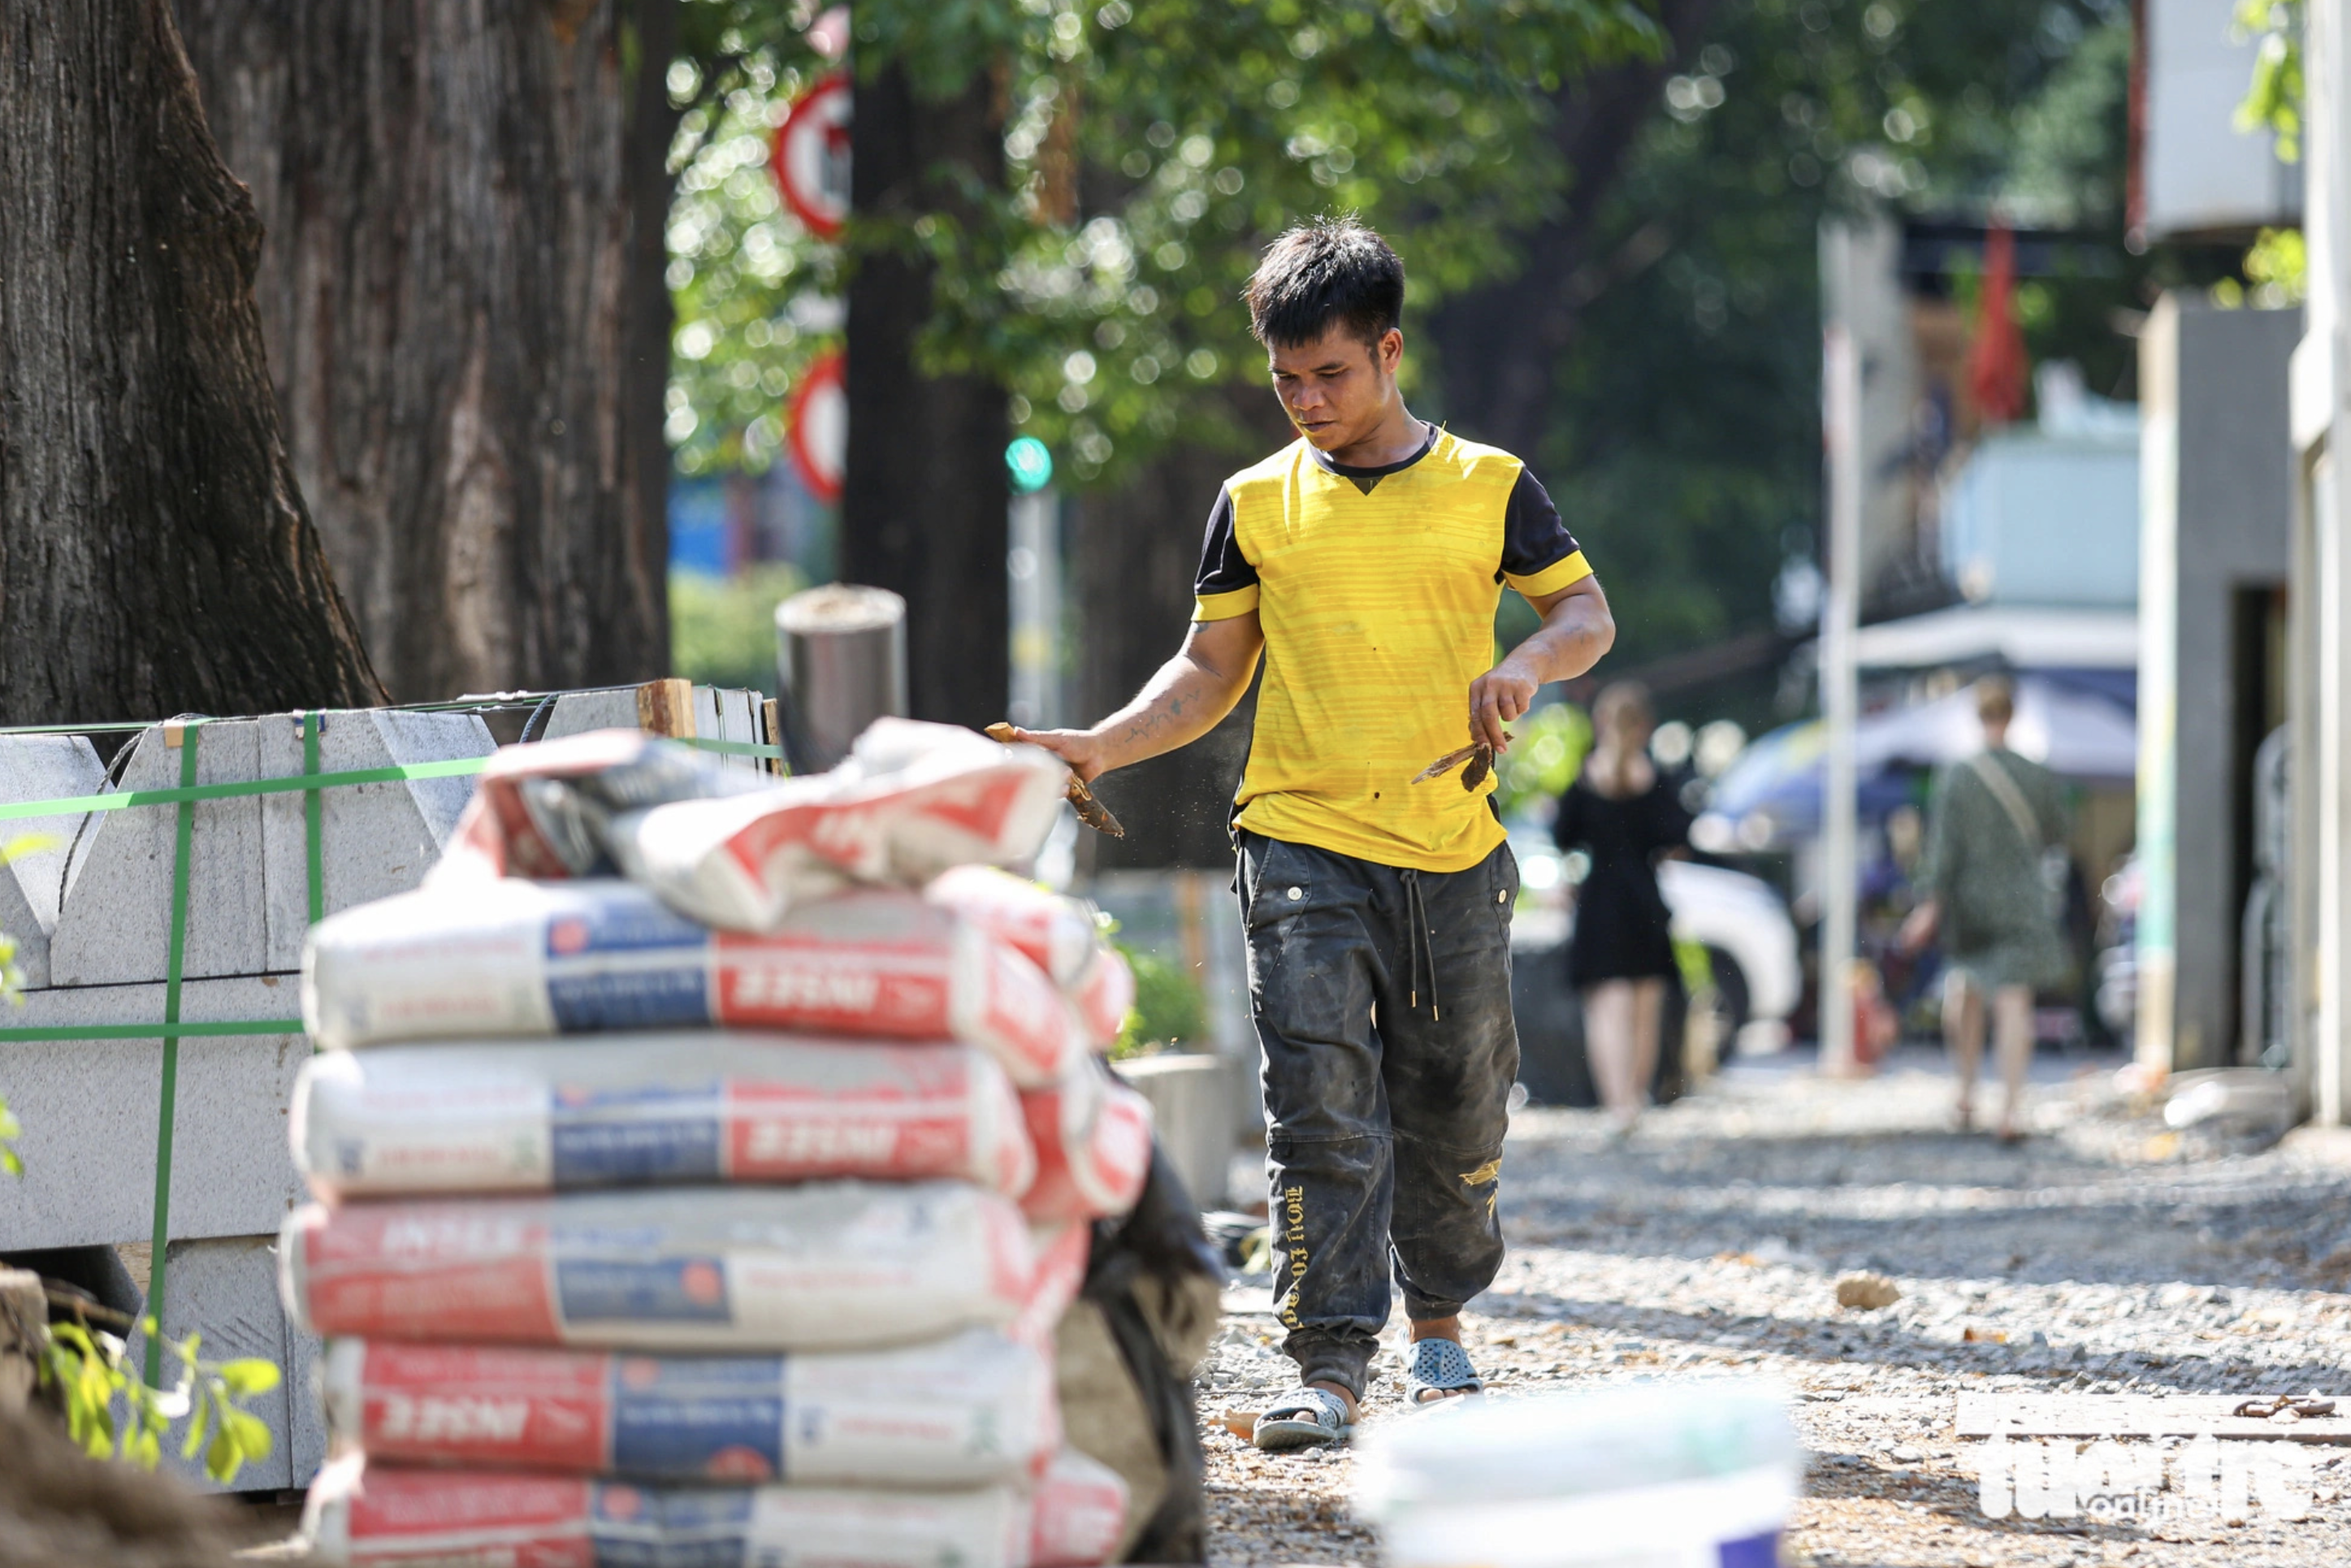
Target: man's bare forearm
1576,631
1185,699
1574,634
1191,693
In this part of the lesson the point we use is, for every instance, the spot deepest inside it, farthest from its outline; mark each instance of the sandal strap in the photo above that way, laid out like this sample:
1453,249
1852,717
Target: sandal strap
1318,1402
1440,1364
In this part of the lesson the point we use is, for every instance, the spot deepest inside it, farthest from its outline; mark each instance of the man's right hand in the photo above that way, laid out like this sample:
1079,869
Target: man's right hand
1082,749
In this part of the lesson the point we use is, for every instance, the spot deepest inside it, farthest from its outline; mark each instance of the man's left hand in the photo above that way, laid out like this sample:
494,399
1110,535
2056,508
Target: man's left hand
1499,697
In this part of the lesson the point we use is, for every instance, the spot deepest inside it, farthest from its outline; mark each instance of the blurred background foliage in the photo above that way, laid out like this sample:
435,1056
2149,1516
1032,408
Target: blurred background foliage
1169,1009
1153,146
1547,752
723,629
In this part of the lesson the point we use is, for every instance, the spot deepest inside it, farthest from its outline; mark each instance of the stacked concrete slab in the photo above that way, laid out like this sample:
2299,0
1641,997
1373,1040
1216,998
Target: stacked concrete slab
95,916
91,914
672,707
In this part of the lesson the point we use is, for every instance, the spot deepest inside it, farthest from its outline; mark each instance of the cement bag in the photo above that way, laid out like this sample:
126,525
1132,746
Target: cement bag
651,1109
910,800
1080,1510
1092,1136
516,958
1104,997
831,1266
537,810
1060,1251
969,1410
1053,932
364,1515
1057,932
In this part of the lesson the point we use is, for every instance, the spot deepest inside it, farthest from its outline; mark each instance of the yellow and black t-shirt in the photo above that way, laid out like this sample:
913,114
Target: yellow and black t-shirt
1376,589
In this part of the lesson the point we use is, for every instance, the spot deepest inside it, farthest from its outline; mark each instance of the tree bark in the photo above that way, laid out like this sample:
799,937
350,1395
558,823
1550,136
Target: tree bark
446,296
923,508
155,557
649,317
1500,344
1136,554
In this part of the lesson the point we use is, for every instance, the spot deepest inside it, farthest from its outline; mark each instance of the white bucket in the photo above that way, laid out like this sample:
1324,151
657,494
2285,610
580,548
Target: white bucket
1700,1475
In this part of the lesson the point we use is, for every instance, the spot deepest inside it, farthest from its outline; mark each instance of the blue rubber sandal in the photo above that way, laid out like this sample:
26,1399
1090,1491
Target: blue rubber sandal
1302,1418
1436,1370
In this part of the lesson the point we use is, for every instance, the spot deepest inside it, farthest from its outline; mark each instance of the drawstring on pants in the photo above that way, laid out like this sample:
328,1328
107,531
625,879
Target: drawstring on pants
1421,940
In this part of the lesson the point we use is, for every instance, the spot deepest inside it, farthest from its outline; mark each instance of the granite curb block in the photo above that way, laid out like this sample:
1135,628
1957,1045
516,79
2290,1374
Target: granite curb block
225,1289
248,872
89,1110
40,768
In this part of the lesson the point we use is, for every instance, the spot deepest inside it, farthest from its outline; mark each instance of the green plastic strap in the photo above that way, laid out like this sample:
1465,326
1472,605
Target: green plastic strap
150,1030
456,767
173,966
310,823
731,748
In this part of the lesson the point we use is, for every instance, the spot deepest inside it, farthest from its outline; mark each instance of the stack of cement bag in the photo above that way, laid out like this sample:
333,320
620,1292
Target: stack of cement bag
702,1164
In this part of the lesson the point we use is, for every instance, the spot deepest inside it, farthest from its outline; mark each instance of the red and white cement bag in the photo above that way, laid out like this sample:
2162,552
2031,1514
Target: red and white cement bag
360,1514
1061,1249
1058,933
537,810
970,1410
639,1110
517,957
827,1266
910,800
1104,997
1092,1136
1079,1514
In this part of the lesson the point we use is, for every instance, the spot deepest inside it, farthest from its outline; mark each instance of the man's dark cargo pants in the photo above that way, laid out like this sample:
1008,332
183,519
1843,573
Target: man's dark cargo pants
1382,998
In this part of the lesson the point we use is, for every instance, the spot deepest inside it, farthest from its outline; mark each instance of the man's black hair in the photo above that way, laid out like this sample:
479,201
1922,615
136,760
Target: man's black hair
1333,271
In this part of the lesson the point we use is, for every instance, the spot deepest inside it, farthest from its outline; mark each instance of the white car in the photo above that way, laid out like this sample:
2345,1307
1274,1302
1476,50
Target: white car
1740,920
1747,933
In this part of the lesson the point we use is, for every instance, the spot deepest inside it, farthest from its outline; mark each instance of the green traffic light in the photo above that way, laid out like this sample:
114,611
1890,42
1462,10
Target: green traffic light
1031,464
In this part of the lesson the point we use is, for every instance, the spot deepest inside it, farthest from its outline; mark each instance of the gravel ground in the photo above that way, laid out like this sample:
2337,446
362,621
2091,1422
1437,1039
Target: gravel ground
2105,1255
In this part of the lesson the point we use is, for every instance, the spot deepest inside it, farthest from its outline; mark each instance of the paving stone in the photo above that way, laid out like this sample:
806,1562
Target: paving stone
226,1290
734,715
575,713
114,926
88,1108
720,713
40,768
376,840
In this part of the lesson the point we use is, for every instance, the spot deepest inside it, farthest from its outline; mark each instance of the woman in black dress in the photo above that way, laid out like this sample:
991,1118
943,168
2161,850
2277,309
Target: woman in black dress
1624,815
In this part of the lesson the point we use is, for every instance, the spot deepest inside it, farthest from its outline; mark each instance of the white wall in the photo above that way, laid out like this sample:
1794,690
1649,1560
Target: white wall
2198,171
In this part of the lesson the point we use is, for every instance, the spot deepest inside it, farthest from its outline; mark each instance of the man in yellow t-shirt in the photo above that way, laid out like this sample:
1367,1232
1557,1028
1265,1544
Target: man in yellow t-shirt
1365,562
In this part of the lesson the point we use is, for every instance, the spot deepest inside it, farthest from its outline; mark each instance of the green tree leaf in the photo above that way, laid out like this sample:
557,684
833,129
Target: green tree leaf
249,1376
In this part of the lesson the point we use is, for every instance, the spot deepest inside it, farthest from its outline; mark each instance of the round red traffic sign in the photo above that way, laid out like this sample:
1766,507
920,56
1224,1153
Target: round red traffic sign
811,156
819,426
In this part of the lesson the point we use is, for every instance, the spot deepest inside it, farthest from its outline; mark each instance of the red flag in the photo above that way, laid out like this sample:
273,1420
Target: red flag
1997,365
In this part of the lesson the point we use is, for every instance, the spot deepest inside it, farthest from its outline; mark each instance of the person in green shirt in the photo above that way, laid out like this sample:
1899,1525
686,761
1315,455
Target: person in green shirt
1991,878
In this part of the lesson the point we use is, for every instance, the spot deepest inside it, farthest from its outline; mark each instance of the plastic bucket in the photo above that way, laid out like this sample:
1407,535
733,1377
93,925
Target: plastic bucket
1700,1475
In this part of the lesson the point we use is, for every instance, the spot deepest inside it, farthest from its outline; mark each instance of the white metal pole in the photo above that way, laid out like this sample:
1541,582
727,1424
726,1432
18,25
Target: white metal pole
1840,697
1033,567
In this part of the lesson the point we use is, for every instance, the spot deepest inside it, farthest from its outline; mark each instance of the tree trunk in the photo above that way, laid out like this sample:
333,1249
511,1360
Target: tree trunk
1501,344
446,291
923,508
647,313
155,557
1137,554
